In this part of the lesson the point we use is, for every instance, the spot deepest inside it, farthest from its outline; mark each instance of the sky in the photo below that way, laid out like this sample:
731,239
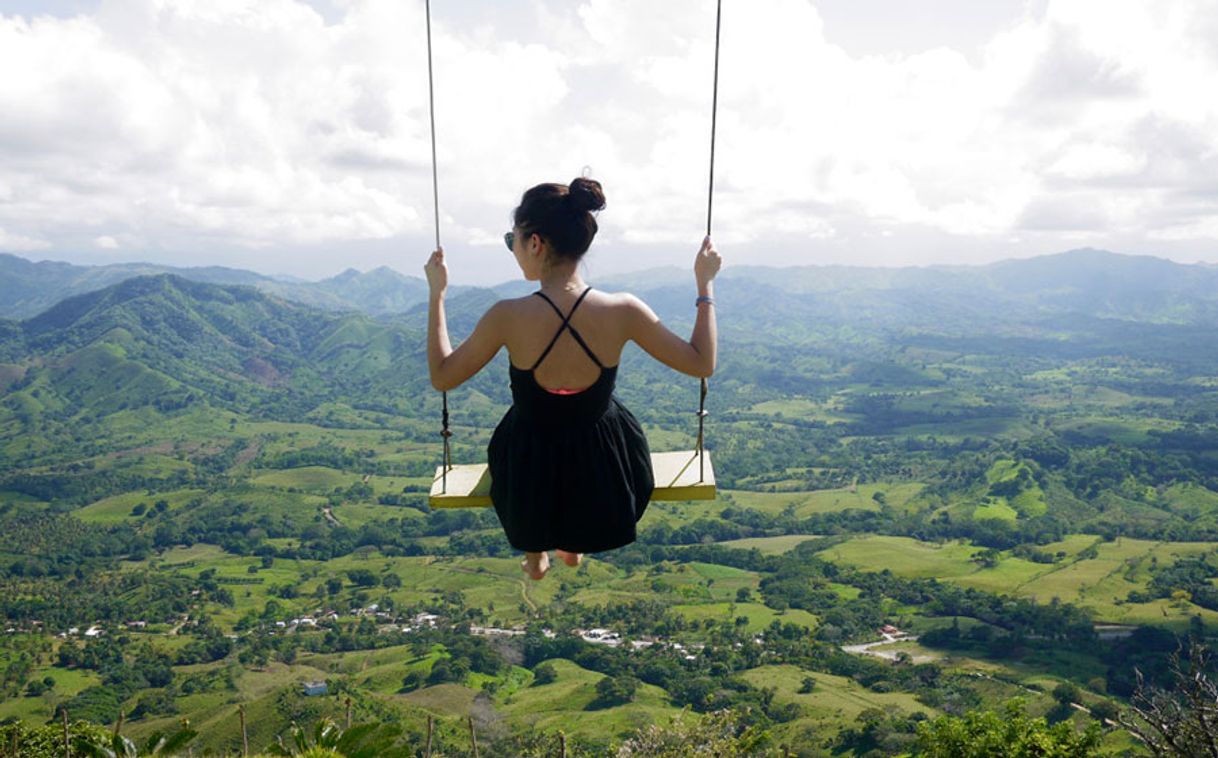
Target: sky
292,137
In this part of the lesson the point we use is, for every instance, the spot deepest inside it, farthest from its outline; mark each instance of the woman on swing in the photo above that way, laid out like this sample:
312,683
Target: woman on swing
570,467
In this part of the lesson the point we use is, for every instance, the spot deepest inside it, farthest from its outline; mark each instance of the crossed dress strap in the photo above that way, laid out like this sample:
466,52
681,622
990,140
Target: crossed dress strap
566,325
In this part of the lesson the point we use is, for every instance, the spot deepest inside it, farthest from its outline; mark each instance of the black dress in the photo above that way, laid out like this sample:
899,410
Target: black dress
568,471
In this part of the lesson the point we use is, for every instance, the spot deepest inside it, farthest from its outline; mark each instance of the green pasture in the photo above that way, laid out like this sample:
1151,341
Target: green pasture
1120,429
1010,427
1189,500
1072,544
835,701
759,616
803,504
770,545
68,682
33,709
803,409
1010,575
995,508
905,556
1101,583
666,583
380,671
677,514
116,509
563,704
315,479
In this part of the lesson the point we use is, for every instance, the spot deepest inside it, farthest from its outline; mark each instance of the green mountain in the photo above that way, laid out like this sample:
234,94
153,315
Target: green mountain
30,288
381,290
168,343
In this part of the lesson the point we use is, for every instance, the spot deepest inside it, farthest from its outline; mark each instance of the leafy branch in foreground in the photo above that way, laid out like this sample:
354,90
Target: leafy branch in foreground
1010,734
358,741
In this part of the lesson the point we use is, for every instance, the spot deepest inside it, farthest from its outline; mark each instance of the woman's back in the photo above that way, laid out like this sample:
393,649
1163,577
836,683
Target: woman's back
531,323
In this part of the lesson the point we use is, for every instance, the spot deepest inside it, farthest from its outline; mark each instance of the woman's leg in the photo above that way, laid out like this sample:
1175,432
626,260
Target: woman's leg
571,559
536,564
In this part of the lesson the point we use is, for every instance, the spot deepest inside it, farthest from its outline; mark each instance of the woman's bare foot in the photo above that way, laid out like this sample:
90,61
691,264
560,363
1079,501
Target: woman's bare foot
535,565
571,559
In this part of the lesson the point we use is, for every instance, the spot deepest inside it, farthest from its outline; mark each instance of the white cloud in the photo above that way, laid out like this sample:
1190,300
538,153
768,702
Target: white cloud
10,242
221,124
106,242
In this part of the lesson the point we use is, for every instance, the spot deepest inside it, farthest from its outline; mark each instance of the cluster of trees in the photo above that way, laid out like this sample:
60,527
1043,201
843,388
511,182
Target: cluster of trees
1188,579
465,653
124,670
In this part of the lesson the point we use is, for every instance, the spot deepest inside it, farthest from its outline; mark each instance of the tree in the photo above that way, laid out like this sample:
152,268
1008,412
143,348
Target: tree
328,740
448,670
807,686
363,578
1182,720
413,681
614,690
1010,734
1066,694
1105,710
46,740
544,673
719,734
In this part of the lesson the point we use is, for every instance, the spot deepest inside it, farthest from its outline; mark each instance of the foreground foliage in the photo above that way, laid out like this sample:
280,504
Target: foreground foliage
1009,734
718,734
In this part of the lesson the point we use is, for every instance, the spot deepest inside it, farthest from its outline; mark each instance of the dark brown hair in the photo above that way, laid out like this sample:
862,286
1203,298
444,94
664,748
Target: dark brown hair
562,215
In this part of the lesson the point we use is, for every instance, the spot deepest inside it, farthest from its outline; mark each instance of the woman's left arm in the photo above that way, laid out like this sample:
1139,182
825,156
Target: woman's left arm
450,368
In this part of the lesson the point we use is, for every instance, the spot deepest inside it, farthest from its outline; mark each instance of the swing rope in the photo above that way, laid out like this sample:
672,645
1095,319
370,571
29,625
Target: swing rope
710,200
435,196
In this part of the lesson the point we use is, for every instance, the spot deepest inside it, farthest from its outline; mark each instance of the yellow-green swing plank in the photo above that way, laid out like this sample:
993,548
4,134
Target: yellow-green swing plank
676,476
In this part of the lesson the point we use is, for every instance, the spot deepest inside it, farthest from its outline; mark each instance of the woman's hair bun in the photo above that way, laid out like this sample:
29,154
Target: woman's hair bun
585,194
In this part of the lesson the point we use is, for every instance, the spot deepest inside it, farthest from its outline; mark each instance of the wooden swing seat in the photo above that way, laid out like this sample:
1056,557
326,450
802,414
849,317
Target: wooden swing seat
676,475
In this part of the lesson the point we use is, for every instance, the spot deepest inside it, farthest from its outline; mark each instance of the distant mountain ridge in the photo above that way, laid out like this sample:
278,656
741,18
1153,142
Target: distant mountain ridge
1087,281
28,288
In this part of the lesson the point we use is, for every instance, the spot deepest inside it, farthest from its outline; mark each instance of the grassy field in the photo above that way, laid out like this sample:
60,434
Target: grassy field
1100,583
759,616
770,545
803,504
118,508
564,703
834,703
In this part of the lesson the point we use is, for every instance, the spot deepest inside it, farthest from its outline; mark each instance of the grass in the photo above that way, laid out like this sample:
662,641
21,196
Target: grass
905,556
759,616
806,503
770,545
314,479
564,703
834,703
1100,584
116,509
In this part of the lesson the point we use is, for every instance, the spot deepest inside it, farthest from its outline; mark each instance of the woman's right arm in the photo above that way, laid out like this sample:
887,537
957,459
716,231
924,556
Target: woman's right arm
696,356
449,367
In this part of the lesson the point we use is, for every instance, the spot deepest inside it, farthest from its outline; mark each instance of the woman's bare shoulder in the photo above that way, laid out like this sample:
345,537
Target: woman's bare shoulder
510,306
624,300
